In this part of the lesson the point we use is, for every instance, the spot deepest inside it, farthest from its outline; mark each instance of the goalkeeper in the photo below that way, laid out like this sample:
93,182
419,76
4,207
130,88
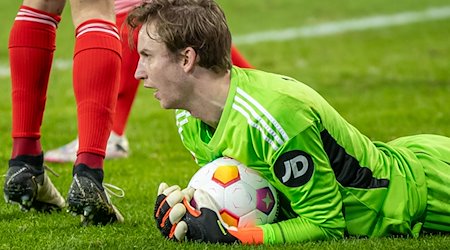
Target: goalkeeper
332,180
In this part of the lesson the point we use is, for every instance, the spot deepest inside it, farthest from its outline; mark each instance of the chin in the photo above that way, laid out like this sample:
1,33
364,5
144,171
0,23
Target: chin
171,105
163,106
166,105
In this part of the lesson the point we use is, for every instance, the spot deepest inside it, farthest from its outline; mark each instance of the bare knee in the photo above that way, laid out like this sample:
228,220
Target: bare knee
85,10
50,6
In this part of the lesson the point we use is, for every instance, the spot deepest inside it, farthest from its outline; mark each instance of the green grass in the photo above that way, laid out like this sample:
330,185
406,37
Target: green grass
388,82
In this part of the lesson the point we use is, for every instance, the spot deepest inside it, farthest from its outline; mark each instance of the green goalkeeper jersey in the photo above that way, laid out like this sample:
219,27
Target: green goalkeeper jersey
331,178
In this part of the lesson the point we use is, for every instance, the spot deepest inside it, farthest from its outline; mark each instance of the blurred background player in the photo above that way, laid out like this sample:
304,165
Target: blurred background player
117,146
95,83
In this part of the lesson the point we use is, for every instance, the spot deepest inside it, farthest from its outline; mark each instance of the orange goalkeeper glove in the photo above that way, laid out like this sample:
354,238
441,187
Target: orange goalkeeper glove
206,225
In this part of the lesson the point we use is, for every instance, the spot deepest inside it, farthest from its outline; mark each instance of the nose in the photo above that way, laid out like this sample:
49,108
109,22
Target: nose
139,74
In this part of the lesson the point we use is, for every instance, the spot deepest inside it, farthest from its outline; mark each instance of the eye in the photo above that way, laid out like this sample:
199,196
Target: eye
144,54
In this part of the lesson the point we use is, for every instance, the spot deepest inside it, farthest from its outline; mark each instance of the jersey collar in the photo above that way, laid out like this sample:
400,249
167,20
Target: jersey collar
236,75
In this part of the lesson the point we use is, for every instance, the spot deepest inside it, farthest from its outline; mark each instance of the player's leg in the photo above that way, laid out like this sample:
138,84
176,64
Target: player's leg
128,83
434,153
117,146
437,218
31,47
118,143
96,73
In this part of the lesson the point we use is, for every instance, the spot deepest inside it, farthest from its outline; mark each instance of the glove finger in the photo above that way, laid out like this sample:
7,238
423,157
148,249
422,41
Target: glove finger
175,216
162,186
161,197
165,226
203,199
177,213
188,193
163,192
170,189
174,197
171,218
180,231
166,204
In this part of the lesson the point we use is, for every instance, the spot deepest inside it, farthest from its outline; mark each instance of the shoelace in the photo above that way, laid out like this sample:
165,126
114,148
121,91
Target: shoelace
46,168
110,187
107,186
51,170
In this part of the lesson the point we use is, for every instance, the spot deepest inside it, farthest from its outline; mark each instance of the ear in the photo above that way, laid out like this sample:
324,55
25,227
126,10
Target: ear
188,59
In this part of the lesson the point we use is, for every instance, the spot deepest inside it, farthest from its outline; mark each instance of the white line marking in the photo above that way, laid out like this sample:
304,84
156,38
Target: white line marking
59,64
4,71
338,27
323,29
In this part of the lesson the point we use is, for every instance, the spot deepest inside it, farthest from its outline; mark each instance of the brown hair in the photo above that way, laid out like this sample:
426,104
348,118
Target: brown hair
200,24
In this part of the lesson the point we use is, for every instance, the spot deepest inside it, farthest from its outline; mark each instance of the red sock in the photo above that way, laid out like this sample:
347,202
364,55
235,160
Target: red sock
128,84
96,72
31,46
26,146
93,161
238,59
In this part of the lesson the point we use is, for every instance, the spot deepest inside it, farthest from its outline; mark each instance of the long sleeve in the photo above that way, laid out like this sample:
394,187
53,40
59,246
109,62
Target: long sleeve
309,194
298,230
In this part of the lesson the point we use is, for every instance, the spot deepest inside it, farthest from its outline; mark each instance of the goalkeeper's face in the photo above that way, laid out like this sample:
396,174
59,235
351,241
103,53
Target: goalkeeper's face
162,70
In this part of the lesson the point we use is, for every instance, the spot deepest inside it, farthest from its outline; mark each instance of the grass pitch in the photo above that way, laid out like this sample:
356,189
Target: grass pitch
388,82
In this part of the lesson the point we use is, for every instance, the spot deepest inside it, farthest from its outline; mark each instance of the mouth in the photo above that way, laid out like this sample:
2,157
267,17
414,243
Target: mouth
154,89
148,85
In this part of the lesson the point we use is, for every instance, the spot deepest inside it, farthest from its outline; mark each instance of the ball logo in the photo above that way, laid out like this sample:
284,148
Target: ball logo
294,168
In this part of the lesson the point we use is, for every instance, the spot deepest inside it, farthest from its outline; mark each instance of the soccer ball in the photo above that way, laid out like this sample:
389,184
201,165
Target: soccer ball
243,196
